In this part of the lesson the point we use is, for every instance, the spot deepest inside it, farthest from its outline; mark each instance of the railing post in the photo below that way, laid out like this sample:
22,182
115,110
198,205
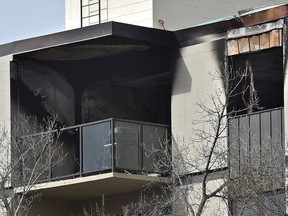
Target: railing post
113,145
50,161
140,146
80,151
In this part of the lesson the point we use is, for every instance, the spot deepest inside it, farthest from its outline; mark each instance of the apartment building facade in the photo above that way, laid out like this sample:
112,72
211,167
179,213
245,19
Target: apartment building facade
120,82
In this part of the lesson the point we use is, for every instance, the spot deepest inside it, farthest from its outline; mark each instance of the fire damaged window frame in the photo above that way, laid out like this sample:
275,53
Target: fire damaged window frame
250,43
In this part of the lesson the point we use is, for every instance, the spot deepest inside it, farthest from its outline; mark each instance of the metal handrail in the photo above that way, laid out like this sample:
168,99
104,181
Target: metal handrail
253,113
79,169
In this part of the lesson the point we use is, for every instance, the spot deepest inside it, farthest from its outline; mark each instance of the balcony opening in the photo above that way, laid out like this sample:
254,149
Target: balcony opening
133,85
112,99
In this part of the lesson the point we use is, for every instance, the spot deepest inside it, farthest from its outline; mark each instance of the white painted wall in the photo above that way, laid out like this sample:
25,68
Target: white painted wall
214,205
137,12
193,83
5,114
5,91
176,14
72,14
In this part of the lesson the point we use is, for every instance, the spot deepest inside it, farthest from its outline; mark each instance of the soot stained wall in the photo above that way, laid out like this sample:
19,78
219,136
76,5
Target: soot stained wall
36,85
127,103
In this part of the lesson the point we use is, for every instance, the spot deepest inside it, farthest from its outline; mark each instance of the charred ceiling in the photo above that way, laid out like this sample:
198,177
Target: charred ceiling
96,79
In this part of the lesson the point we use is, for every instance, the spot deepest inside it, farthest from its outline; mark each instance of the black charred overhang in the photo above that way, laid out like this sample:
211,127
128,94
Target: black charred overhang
207,31
109,33
263,14
217,28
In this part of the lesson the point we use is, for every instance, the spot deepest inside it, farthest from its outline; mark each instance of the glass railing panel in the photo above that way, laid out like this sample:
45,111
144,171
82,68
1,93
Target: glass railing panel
154,138
97,148
70,165
126,136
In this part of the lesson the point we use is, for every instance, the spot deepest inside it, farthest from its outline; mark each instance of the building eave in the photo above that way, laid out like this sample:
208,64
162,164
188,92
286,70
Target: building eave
121,30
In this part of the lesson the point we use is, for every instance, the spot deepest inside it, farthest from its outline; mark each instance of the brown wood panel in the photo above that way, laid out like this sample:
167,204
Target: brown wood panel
232,47
243,45
254,43
281,36
274,38
264,41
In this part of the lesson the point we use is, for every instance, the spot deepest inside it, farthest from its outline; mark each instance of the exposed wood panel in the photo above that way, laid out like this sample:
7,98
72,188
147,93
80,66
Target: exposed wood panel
254,42
243,45
232,47
274,38
281,37
264,41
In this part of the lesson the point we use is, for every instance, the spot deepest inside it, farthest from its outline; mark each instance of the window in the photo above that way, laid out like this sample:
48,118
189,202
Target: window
93,12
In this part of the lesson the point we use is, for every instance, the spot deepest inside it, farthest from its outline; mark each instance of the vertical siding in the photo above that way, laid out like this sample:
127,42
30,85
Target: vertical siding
260,138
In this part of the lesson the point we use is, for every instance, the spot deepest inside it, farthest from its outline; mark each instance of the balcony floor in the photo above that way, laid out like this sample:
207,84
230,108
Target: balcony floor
83,188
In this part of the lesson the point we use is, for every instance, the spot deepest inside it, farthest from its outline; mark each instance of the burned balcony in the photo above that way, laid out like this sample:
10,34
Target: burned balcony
111,145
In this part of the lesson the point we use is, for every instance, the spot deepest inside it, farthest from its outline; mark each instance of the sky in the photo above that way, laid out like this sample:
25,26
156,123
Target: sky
20,19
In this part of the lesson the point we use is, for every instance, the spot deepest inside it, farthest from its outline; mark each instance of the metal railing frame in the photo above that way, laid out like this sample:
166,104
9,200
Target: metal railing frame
113,153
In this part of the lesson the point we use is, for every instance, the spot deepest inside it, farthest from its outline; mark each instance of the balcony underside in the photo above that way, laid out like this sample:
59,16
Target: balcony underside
91,187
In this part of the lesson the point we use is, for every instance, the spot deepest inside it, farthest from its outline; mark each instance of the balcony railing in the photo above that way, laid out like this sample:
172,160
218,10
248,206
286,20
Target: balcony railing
108,146
257,140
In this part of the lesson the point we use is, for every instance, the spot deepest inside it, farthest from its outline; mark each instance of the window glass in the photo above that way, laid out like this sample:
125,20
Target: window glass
97,147
126,145
153,142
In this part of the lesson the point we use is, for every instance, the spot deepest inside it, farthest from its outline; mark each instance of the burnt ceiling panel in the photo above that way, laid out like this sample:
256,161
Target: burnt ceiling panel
70,53
116,70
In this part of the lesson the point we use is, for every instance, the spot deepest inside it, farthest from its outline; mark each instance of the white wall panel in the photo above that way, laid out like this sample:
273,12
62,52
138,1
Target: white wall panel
138,12
72,14
5,90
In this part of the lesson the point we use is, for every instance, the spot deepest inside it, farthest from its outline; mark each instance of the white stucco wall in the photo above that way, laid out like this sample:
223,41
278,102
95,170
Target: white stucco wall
193,83
176,14
213,206
137,12
5,91
72,14
5,113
